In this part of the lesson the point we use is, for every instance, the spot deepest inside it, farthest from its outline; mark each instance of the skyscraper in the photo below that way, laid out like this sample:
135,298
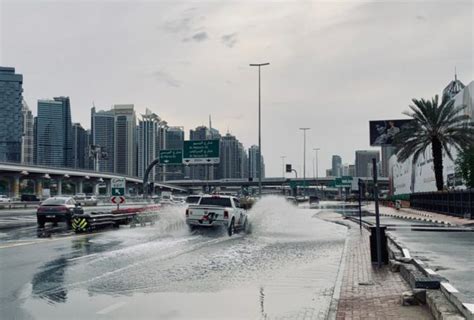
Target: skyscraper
11,116
253,163
103,136
174,140
231,158
27,139
336,166
387,152
53,133
148,146
67,129
125,139
362,160
79,146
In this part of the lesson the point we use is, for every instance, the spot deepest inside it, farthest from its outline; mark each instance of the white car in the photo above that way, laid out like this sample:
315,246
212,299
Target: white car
218,211
4,198
89,201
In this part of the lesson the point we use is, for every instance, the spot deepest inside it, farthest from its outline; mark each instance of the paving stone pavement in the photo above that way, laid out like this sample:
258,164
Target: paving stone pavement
369,293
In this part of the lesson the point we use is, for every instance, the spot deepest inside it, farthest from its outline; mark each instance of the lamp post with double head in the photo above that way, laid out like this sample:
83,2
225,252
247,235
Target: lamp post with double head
304,157
259,65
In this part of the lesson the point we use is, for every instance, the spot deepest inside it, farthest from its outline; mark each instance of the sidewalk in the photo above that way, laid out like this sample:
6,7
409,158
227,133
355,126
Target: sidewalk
368,293
412,214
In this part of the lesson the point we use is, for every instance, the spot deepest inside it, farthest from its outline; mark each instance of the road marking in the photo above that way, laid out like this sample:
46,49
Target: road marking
48,240
83,257
111,308
16,244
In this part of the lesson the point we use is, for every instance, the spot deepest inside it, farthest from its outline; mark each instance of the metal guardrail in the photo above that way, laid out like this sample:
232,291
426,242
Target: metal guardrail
18,204
459,203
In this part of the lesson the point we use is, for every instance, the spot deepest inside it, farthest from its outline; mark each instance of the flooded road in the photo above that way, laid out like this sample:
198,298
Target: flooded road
286,268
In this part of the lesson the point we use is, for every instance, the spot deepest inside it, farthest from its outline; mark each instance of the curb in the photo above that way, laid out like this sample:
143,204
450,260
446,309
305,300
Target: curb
332,312
398,216
436,281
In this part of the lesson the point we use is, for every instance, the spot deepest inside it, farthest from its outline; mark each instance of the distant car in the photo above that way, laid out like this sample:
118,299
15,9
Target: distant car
57,209
218,211
89,201
29,197
313,202
4,198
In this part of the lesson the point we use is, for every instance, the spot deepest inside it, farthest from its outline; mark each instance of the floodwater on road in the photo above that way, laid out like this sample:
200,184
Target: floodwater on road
285,268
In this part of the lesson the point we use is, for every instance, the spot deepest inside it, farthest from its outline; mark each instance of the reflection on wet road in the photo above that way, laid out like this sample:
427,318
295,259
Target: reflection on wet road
286,267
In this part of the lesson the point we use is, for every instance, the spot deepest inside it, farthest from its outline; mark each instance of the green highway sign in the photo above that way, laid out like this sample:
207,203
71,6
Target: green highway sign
118,186
294,184
201,152
343,182
171,156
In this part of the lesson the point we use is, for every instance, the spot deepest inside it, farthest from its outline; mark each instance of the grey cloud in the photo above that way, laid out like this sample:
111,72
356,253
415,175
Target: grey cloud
178,25
230,39
198,37
185,23
166,78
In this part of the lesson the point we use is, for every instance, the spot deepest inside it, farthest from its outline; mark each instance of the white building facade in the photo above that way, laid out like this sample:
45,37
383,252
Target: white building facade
409,177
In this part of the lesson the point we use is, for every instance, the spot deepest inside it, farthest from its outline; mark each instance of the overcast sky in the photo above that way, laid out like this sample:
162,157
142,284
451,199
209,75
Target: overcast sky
335,65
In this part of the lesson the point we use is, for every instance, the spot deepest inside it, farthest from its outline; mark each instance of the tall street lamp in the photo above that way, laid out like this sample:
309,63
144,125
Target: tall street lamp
304,156
283,166
316,152
259,65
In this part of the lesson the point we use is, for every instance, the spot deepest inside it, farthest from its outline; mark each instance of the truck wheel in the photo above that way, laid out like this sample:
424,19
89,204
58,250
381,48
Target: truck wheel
69,224
245,228
231,228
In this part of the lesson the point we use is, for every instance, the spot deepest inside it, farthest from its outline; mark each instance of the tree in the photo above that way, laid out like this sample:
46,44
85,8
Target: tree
465,166
440,126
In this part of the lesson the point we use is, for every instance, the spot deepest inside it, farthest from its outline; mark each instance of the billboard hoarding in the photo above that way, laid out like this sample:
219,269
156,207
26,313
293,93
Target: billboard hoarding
383,131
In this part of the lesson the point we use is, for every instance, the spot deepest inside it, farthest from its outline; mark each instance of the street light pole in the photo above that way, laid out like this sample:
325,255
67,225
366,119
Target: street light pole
304,157
283,166
316,152
259,65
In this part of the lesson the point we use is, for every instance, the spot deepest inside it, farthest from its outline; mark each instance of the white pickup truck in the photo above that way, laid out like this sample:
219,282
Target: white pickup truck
217,210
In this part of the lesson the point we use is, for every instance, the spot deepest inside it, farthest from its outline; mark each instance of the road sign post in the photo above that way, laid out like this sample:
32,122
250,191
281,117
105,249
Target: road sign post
118,189
201,152
118,200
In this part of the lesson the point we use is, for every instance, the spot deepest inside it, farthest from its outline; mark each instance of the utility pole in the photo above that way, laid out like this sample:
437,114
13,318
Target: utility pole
316,152
377,215
304,157
283,166
259,65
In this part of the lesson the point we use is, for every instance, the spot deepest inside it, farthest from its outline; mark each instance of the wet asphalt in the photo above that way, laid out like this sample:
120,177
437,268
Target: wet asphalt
286,267
444,249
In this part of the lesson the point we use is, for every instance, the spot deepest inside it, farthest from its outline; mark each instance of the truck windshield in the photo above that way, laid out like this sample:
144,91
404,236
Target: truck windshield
211,201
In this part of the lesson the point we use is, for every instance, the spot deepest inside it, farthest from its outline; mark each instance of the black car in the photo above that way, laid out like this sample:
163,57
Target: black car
29,197
57,209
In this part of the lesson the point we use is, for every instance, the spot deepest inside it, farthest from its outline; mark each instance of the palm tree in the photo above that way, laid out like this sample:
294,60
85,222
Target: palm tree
439,126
